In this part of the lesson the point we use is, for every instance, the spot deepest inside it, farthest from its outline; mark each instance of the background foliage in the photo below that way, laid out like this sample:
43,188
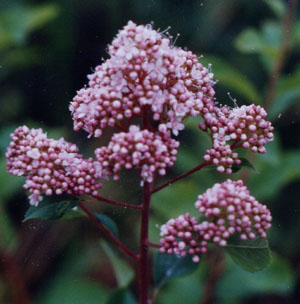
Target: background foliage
46,50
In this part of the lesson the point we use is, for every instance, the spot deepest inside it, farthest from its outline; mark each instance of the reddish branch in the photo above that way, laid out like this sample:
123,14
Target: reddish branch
14,277
126,250
143,262
199,167
117,203
216,261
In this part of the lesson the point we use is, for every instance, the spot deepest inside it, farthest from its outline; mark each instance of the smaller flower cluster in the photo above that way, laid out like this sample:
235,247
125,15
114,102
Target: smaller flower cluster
145,150
243,127
181,237
50,166
229,208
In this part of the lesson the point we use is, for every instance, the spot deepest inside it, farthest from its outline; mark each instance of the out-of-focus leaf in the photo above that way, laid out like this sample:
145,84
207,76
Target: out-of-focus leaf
10,184
296,33
265,42
272,177
47,210
8,233
169,266
122,296
251,255
124,273
245,163
73,288
176,199
187,289
271,31
108,223
273,154
70,283
277,6
278,278
18,21
231,78
283,102
17,59
249,41
287,94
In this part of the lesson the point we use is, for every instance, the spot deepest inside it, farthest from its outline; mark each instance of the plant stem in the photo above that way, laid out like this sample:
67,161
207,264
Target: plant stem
14,277
109,201
143,261
216,262
199,167
287,26
153,245
126,250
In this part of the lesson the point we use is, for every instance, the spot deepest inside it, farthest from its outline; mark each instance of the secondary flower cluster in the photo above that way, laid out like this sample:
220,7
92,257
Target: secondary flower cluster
144,72
230,128
50,166
229,208
147,151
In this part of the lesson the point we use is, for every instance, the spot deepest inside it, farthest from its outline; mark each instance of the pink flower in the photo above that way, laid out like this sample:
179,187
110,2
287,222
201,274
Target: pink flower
144,71
149,152
50,166
243,127
229,209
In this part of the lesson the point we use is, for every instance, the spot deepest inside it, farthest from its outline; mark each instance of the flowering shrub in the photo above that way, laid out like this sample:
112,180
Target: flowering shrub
146,91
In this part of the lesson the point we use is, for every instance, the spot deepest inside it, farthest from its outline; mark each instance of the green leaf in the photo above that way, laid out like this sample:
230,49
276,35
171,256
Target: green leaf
108,223
284,102
124,273
273,176
169,266
265,42
18,21
122,296
48,210
277,6
251,255
249,41
231,78
279,278
245,163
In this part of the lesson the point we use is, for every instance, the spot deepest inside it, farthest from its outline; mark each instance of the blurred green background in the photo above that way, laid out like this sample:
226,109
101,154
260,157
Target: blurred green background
46,50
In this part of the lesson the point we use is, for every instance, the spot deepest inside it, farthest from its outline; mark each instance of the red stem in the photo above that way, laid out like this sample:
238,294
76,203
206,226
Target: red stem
153,245
126,250
143,261
14,277
109,201
199,167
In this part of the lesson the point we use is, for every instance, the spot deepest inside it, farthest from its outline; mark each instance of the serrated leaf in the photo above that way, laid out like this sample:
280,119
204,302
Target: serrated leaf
251,255
169,266
108,223
123,272
122,296
48,210
244,163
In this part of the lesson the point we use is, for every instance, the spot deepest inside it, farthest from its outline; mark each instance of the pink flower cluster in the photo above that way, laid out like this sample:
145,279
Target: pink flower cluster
50,166
229,208
147,151
243,127
144,72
